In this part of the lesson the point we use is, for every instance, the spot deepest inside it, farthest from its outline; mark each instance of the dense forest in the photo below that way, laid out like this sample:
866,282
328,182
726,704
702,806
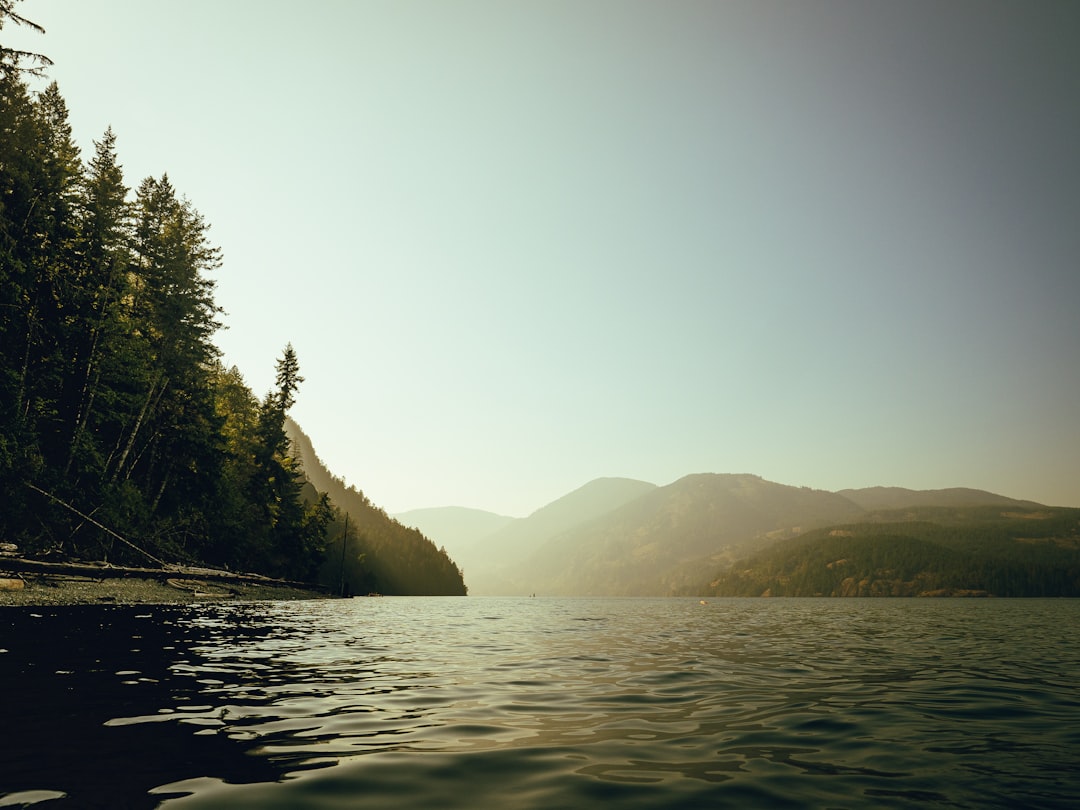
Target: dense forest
929,551
123,437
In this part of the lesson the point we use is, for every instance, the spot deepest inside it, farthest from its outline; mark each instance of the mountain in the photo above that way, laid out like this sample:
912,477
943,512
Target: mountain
491,561
379,554
984,550
879,498
455,528
659,542
738,534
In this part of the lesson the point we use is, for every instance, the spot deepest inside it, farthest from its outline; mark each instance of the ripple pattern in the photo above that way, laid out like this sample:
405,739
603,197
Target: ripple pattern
400,702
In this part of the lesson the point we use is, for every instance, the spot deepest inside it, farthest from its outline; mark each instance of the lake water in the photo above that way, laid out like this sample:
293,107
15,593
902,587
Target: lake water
543,703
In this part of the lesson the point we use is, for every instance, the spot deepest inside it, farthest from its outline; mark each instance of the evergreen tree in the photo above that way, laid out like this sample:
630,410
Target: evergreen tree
115,410
19,154
12,60
297,528
101,341
167,450
39,179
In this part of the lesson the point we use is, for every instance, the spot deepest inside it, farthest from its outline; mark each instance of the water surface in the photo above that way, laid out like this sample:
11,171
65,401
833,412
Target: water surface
545,703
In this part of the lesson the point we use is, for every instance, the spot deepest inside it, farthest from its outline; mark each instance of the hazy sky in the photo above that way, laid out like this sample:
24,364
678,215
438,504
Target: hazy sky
521,245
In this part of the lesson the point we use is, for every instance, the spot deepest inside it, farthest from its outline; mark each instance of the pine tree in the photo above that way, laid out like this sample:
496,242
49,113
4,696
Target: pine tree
98,345
12,60
168,456
40,175
113,400
294,529
19,455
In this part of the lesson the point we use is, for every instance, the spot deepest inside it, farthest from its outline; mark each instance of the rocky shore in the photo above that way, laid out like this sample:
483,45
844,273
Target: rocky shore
54,590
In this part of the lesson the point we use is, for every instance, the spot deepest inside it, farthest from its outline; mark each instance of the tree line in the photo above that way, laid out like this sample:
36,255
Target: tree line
369,550
1029,553
115,408
118,418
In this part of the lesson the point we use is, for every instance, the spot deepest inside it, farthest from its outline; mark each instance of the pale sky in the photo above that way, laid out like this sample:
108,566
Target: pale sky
521,245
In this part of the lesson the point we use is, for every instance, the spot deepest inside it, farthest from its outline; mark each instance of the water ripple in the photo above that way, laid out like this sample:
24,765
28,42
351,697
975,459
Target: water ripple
546,703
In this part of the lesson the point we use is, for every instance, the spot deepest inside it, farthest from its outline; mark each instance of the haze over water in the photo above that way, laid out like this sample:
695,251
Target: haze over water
408,702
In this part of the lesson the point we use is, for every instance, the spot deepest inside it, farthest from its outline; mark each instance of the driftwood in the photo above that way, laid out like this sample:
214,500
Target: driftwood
101,526
107,571
200,588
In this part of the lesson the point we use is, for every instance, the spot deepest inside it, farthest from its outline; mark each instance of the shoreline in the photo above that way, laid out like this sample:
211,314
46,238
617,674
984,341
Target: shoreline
49,591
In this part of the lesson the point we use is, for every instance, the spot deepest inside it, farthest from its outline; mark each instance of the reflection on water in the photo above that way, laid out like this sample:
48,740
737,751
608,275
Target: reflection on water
542,703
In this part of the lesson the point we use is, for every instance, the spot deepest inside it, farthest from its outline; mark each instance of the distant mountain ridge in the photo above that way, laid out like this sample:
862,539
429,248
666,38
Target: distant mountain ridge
873,498
486,559
380,555
650,545
624,537
458,528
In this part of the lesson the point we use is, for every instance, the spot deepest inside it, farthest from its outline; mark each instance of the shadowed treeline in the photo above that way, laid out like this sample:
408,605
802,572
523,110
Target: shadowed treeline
123,437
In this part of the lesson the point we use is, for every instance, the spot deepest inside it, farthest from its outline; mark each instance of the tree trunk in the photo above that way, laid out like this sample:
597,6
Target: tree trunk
139,421
89,391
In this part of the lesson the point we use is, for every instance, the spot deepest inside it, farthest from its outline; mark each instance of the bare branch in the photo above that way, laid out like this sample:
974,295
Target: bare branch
11,59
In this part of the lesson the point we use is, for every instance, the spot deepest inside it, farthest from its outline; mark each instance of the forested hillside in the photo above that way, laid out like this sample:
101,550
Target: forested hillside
651,545
380,554
927,551
114,405
123,437
739,535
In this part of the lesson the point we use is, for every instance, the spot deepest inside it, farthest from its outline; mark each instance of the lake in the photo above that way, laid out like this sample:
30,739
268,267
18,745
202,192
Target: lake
543,703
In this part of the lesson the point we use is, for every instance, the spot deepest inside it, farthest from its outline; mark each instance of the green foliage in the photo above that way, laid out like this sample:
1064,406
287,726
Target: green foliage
112,398
386,557
937,551
381,555
12,60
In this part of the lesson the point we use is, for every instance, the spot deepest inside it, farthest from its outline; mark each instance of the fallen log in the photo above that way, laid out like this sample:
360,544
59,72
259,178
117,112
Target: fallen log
105,570
101,526
108,571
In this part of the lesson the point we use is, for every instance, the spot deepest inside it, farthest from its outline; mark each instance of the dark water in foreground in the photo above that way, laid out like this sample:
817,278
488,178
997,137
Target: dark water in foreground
545,703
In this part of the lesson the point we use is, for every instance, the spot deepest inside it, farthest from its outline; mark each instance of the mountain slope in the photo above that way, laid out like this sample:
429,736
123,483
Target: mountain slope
380,554
489,560
1018,551
656,543
456,528
878,498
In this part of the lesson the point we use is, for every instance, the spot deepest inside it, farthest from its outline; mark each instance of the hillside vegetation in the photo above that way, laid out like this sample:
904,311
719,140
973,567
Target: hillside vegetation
123,437
936,551
380,554
740,535
115,409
